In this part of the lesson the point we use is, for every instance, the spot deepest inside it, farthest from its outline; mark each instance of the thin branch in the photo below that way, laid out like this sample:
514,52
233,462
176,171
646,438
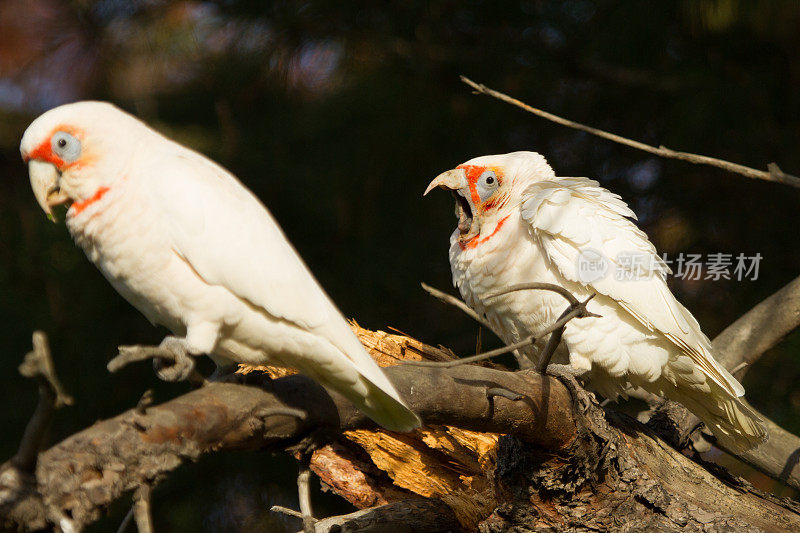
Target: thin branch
573,311
474,358
126,522
541,286
38,364
452,300
407,515
552,343
304,493
287,511
773,173
141,508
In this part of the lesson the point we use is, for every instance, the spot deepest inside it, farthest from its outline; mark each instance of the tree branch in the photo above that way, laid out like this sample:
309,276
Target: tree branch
81,475
746,340
452,300
761,328
773,173
38,364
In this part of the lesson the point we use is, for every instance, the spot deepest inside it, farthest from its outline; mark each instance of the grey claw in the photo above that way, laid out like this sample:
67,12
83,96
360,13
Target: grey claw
178,370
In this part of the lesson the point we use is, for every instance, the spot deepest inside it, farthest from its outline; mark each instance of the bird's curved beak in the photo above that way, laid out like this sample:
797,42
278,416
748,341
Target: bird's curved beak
452,179
457,183
45,179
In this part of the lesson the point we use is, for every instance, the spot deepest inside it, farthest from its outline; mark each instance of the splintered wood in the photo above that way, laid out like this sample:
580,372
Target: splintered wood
370,468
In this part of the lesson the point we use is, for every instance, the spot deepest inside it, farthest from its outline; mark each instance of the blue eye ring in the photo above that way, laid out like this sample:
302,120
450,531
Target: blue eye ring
489,178
66,146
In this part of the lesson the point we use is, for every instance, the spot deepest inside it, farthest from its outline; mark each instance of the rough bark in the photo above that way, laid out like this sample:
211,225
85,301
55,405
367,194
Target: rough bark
544,462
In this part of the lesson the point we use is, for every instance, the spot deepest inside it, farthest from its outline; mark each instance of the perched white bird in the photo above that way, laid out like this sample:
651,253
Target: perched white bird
518,223
188,245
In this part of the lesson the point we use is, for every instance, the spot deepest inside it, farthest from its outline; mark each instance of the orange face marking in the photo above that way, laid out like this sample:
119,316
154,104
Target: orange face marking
474,172
78,207
475,241
44,152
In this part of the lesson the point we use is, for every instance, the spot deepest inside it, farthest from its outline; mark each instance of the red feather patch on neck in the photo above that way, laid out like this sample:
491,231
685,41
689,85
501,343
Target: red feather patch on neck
78,207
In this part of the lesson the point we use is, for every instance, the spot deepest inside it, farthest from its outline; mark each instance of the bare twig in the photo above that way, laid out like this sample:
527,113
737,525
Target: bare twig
407,515
552,343
474,358
126,522
141,508
144,402
773,173
38,364
452,300
540,286
574,311
285,510
304,493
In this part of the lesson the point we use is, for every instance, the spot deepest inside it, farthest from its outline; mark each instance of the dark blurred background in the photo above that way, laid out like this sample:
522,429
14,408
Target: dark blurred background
338,114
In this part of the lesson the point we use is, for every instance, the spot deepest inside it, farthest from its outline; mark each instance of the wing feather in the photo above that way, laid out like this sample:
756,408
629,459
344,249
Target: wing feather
230,239
572,215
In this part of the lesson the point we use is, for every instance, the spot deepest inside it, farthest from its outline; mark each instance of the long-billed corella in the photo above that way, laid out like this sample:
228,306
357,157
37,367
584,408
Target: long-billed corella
190,247
520,223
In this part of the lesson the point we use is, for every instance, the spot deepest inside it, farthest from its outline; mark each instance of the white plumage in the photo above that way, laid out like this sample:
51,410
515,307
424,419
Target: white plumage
190,247
520,223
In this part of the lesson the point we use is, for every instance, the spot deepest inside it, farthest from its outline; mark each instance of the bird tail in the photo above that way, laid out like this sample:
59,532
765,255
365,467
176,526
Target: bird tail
383,408
733,422
364,384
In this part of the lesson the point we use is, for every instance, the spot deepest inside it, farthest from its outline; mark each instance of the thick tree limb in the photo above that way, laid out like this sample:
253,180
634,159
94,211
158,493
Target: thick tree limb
746,340
81,475
773,173
760,328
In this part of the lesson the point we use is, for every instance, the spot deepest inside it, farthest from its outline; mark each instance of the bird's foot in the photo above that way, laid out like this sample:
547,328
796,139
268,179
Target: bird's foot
559,371
173,362
567,374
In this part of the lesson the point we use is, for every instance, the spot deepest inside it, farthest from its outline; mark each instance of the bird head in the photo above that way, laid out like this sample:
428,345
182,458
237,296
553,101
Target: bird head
68,149
486,189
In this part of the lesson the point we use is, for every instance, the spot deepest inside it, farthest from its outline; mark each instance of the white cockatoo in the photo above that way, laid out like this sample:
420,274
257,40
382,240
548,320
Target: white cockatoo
190,247
518,222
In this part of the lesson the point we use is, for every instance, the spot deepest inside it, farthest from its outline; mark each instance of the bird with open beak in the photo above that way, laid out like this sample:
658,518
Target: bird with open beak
518,223
188,245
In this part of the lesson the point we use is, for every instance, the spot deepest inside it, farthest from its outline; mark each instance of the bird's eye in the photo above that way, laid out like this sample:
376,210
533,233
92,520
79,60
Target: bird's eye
66,146
487,184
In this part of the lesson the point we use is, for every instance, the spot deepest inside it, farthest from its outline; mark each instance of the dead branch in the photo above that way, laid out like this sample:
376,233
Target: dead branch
745,341
761,328
84,473
141,509
411,516
576,310
452,300
773,172
38,364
